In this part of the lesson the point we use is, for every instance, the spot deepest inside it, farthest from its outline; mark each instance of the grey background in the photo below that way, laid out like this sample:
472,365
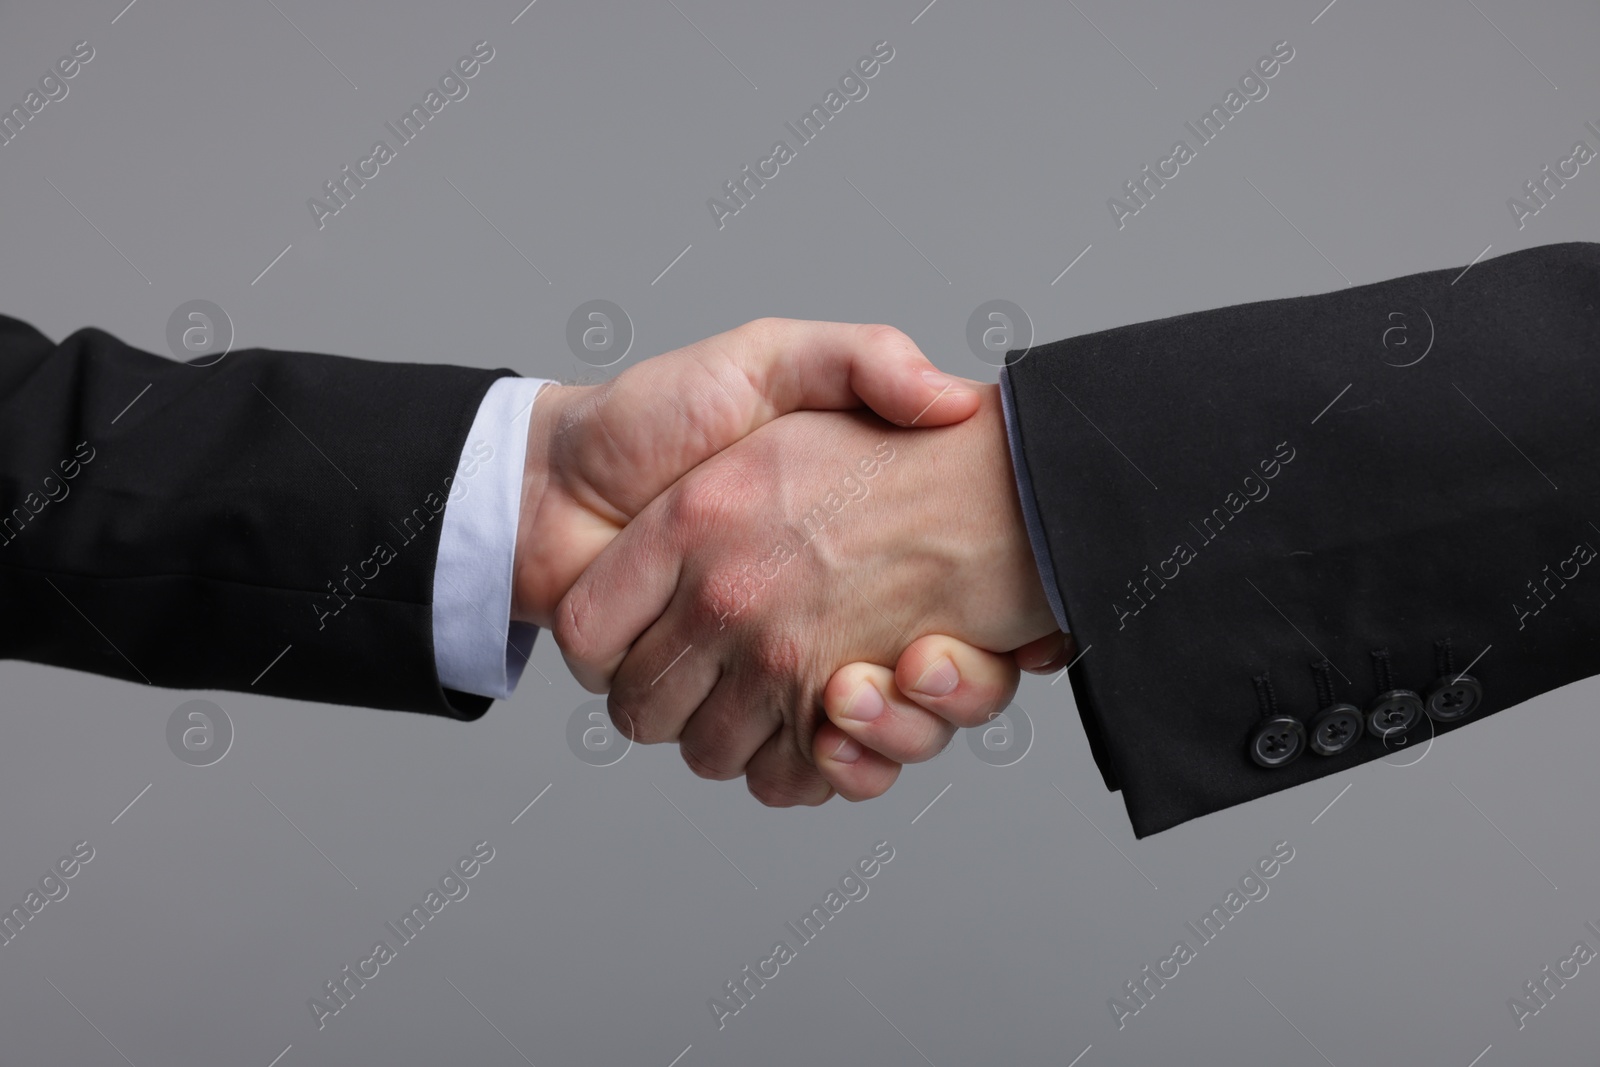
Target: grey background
607,919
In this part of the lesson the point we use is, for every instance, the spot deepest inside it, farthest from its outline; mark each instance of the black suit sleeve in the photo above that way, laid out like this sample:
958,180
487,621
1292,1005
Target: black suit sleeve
183,526
1400,479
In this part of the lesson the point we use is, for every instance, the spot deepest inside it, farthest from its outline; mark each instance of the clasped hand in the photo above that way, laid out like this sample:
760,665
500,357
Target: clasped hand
722,539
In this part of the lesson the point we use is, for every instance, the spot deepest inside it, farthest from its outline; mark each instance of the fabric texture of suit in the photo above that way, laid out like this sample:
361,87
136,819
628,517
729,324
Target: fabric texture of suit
1230,496
182,526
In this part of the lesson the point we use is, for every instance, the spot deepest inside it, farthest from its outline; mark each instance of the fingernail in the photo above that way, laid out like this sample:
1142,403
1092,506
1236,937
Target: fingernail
847,752
939,680
865,704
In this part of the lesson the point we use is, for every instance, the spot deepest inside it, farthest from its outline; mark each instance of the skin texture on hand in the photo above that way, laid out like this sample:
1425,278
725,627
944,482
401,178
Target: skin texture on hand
598,454
718,615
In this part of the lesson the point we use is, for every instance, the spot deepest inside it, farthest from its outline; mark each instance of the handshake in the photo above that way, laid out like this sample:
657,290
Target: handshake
793,589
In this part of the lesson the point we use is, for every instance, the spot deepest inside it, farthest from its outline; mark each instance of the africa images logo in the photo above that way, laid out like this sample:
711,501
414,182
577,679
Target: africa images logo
1252,86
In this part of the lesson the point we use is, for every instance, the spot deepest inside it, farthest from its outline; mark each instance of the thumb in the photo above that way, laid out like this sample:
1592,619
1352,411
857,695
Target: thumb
771,367
665,416
825,365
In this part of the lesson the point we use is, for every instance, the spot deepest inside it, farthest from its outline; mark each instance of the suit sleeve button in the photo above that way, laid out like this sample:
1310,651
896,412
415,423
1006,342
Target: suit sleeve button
1454,697
1394,712
1336,728
1278,741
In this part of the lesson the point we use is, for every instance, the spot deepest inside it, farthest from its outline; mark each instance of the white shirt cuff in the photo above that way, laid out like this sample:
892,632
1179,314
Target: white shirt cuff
476,647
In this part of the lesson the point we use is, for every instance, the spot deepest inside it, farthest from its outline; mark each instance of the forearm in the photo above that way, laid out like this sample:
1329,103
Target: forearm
271,501
1239,492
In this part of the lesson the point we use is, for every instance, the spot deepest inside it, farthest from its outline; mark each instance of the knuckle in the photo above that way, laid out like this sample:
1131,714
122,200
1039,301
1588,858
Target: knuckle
787,783
572,630
778,653
707,764
633,719
769,325
718,596
772,791
759,335
880,337
724,591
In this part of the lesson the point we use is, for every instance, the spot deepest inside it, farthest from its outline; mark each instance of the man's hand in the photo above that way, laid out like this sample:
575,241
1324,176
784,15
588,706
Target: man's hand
718,615
880,719
598,454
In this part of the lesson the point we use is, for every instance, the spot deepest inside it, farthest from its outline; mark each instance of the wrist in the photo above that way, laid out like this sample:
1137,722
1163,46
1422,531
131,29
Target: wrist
539,564
1018,577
